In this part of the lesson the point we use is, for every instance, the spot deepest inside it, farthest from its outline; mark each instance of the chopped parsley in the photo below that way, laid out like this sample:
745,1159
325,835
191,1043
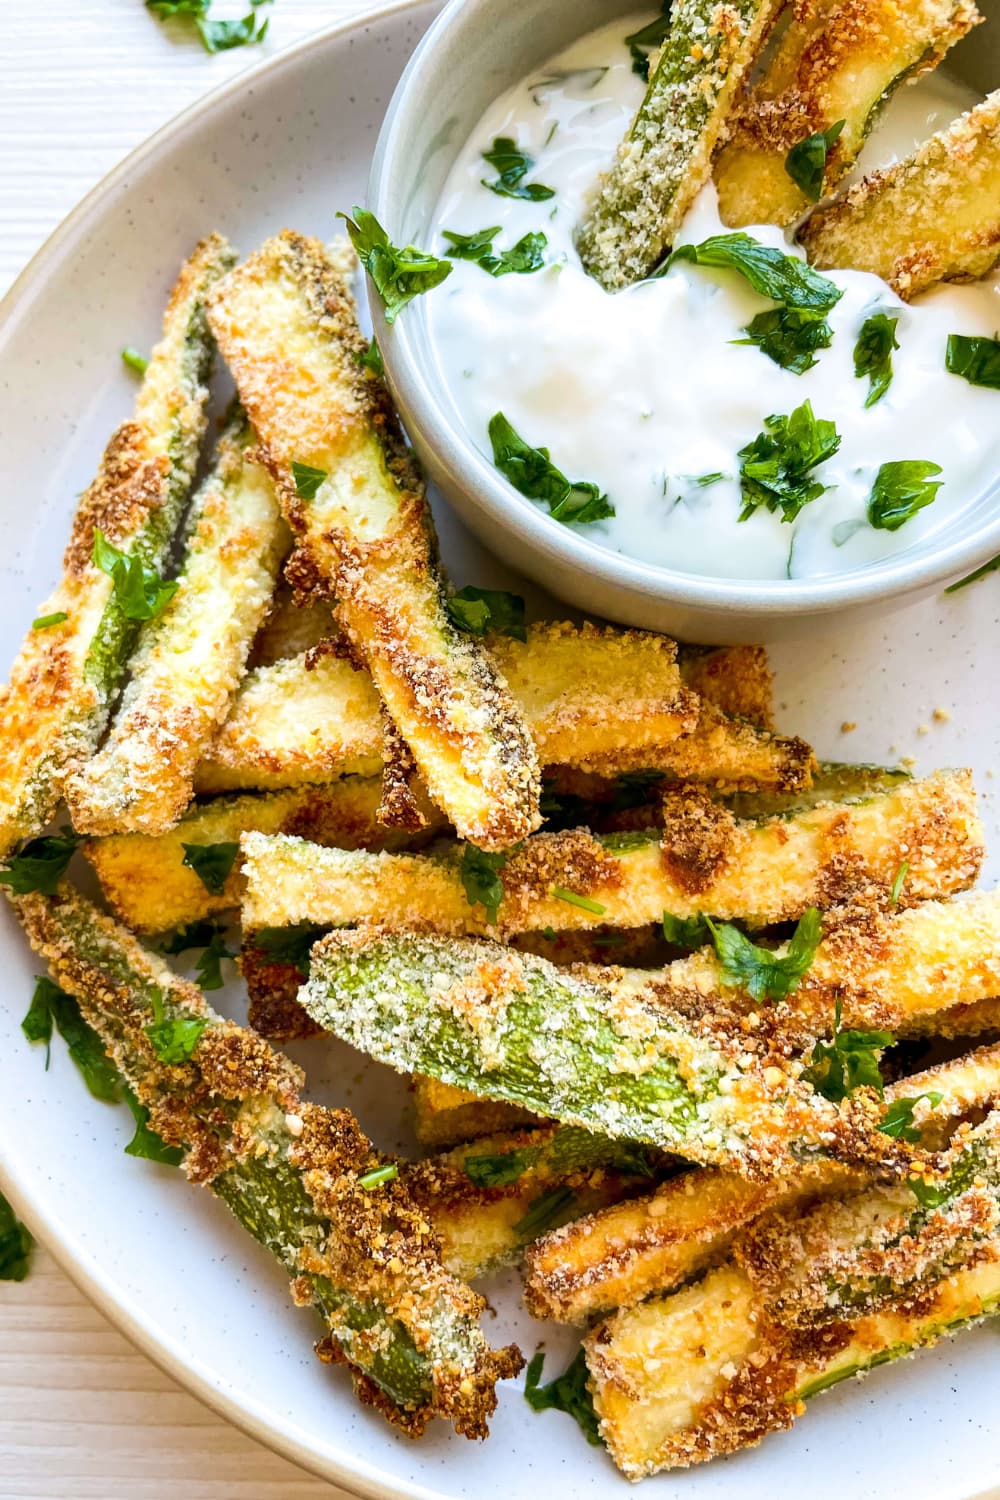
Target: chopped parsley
806,162
41,863
848,1062
704,480
173,1038
42,622
974,577
573,898
307,480
544,1213
398,274
480,876
873,354
145,1142
901,488
15,1244
567,1393
134,361
500,1169
977,360
378,1176
783,278
762,973
51,1005
526,256
207,935
512,166
898,883
140,592
194,935
931,1195
371,359
479,611
898,1120
212,863
646,40
790,336
288,945
776,466
216,36
532,472
686,932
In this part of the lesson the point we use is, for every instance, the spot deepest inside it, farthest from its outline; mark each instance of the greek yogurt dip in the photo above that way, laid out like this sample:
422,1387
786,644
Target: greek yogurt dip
647,395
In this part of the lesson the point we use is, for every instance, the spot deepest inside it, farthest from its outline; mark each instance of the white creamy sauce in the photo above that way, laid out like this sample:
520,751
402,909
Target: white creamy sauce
644,391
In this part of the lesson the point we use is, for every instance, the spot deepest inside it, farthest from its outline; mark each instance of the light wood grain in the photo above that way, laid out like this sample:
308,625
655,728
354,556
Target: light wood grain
83,1415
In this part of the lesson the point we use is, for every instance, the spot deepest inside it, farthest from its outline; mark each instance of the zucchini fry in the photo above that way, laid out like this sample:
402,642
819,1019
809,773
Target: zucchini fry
150,887
189,660
806,1300
62,685
291,628
292,1173
933,217
834,64
286,324
704,860
605,1057
667,155
446,1116
736,679
653,1243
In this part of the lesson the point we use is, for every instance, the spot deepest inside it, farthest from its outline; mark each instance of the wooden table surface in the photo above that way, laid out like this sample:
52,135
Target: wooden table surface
83,1415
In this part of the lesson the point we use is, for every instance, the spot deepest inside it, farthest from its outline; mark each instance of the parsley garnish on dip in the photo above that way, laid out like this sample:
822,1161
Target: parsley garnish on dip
784,386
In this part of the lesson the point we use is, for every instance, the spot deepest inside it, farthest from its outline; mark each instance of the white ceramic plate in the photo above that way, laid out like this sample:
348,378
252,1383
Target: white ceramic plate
290,144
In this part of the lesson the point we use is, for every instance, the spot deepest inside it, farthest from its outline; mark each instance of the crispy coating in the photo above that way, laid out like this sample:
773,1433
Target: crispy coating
447,1116
833,62
932,217
286,323
736,679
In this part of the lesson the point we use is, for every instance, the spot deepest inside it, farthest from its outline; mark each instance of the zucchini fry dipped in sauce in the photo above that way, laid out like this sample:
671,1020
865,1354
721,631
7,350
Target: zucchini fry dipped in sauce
604,1054
667,155
62,685
294,1174
286,324
619,1255
193,870
805,1301
190,658
933,217
799,128
704,860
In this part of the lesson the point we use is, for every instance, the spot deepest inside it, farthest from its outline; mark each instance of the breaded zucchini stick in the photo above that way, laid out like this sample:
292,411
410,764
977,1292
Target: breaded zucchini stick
62,685
933,217
291,628
667,155
805,1301
653,1243
446,1116
736,679
189,659
704,860
600,1055
286,324
149,885
835,63
293,1174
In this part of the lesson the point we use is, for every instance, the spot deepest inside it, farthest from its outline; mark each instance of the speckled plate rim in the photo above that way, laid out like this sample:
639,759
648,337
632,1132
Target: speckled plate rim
42,1217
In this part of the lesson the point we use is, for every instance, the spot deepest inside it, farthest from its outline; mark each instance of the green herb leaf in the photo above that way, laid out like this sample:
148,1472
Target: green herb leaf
703,480
532,472
573,898
776,465
783,278
173,1038
686,932
398,275
208,970
898,1120
480,874
762,973
371,359
974,577
501,1169
41,863
140,592
479,611
378,1175
806,162
212,863
847,1062
526,256
145,1142
512,166
790,336
307,480
37,1024
977,360
646,40
931,1195
898,883
901,488
568,1393
873,354
42,622
216,36
544,1213
133,360
288,945
15,1244
195,935
51,1004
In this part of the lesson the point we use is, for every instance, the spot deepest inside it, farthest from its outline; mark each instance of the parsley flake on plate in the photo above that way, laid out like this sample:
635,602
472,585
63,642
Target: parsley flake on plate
398,273
41,863
567,1393
134,361
52,1006
216,36
480,611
